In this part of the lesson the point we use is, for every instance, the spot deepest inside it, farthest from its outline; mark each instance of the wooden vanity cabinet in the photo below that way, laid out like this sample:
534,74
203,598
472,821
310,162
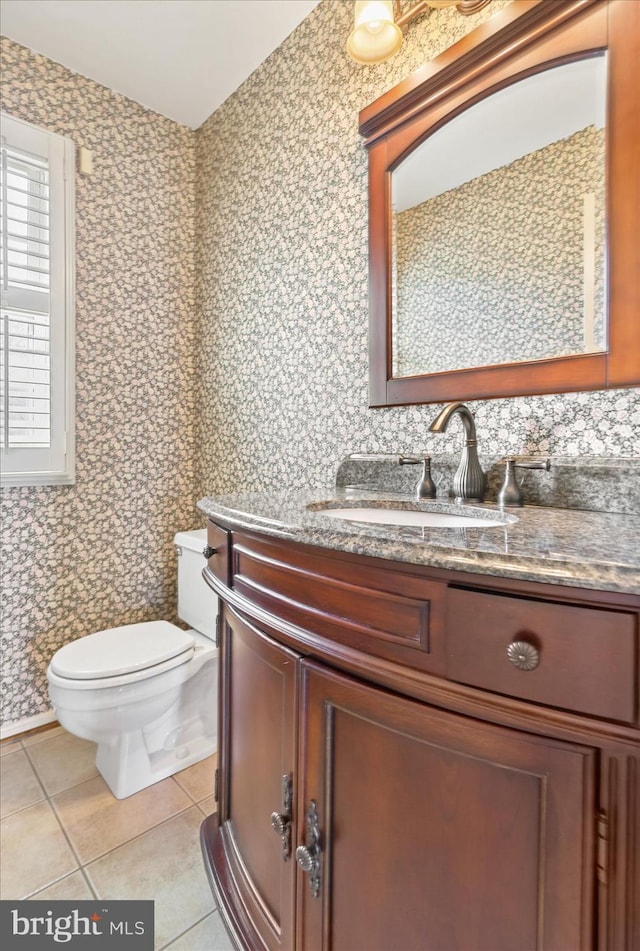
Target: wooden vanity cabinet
430,814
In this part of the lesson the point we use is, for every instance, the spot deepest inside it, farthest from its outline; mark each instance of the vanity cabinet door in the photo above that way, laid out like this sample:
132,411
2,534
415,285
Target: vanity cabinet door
438,832
257,760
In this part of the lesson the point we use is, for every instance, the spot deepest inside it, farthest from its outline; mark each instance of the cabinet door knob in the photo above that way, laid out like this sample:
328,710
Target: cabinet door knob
308,855
523,655
208,551
281,821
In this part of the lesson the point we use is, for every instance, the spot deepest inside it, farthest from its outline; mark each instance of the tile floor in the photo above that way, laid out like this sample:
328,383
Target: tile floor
63,835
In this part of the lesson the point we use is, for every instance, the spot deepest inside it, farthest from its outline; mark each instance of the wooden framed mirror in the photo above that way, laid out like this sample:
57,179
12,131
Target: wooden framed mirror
504,209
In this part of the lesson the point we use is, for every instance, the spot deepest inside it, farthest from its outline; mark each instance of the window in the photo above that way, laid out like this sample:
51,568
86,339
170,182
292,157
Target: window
37,319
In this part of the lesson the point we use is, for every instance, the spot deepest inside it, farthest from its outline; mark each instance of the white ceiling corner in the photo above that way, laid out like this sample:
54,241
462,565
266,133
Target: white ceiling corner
181,58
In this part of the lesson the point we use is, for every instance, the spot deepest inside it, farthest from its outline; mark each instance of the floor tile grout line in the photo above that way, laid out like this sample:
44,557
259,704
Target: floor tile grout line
89,884
57,817
138,835
65,834
86,870
43,735
48,794
36,774
18,747
94,897
190,795
42,783
167,946
181,787
17,812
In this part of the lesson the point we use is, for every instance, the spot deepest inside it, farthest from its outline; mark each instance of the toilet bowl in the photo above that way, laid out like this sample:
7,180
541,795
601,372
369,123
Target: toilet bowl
145,693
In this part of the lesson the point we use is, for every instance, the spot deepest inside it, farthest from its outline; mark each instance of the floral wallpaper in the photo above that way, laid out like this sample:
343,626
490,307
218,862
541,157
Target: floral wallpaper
507,247
79,558
222,330
282,281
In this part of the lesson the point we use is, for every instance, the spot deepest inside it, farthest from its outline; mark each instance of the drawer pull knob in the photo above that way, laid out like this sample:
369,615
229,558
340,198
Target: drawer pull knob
523,655
208,551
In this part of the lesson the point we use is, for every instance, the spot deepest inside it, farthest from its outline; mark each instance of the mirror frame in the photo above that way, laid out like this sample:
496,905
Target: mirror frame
515,42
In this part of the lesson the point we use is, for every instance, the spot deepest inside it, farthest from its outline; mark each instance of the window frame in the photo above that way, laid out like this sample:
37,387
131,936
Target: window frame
32,466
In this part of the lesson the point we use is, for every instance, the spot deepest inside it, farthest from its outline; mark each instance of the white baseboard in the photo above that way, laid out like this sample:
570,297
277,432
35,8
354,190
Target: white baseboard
29,723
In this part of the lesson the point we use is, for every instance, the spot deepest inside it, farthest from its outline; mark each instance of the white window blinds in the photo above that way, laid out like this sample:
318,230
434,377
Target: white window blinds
36,323
26,331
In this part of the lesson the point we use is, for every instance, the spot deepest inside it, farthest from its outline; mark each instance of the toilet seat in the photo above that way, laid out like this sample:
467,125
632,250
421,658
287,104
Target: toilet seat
126,653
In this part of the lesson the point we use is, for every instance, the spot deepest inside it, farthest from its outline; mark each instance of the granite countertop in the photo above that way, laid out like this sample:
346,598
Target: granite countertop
599,550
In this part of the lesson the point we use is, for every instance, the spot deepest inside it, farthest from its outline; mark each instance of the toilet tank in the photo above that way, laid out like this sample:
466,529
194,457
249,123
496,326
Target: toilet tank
197,603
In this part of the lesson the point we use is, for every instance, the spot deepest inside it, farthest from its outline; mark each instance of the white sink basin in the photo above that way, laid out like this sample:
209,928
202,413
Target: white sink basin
399,516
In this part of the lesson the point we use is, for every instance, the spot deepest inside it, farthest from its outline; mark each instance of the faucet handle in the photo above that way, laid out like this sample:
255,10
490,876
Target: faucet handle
511,492
425,487
533,464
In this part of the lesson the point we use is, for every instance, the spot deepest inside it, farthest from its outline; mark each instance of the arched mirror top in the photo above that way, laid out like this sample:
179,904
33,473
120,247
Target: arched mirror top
528,113
500,180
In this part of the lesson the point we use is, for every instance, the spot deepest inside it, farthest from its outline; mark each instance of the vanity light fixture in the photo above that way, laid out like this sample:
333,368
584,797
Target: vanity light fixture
379,25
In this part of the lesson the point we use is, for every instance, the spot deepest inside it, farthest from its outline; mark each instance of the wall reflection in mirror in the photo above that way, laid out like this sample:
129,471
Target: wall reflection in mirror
499,244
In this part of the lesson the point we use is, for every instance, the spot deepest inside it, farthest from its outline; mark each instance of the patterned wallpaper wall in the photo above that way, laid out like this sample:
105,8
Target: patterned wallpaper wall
79,558
282,277
507,248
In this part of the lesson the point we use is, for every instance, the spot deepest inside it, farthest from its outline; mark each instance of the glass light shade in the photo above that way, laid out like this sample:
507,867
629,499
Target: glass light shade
375,36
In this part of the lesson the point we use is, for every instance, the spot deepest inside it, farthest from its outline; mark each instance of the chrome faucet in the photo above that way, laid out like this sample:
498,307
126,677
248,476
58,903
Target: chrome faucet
469,481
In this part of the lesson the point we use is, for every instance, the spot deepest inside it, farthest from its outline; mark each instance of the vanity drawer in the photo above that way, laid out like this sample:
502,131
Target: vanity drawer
374,609
587,657
219,564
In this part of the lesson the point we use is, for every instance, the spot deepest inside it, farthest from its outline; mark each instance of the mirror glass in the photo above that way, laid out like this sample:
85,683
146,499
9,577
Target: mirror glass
498,228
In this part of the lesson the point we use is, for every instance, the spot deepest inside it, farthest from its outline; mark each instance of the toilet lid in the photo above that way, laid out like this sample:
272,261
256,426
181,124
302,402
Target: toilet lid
123,650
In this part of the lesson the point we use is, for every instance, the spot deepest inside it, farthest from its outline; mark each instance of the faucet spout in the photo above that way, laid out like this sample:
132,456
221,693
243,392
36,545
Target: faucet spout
440,423
469,481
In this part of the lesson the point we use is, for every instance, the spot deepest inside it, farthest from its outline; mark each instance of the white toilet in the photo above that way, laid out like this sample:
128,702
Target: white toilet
146,693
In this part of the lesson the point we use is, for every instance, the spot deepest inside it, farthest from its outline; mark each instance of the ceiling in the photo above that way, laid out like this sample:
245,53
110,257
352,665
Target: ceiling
181,58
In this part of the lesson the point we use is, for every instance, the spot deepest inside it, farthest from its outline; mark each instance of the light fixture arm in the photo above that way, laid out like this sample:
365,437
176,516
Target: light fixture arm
420,7
404,19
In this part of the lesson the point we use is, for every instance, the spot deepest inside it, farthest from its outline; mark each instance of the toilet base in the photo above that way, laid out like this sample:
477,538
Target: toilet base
127,767
149,727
